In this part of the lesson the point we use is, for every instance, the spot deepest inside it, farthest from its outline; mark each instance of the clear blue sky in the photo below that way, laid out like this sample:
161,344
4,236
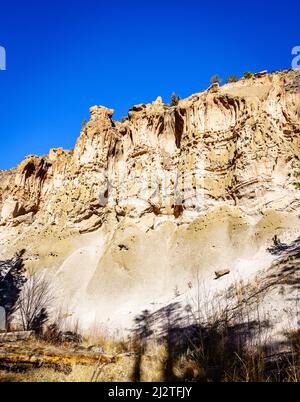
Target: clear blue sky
63,57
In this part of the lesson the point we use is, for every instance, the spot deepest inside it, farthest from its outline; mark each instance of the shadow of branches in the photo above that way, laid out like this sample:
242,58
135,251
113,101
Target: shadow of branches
12,280
219,351
286,269
230,344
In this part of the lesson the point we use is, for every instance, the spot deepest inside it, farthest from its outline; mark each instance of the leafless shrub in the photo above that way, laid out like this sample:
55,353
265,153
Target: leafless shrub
35,302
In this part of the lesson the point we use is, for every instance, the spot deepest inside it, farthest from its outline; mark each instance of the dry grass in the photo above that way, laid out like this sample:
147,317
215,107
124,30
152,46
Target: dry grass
213,360
211,343
79,373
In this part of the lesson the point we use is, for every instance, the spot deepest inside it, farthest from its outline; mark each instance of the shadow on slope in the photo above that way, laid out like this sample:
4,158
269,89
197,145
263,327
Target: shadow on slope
212,352
233,343
286,269
12,279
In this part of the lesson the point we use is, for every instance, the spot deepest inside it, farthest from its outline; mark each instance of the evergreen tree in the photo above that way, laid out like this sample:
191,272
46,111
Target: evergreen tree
215,79
174,100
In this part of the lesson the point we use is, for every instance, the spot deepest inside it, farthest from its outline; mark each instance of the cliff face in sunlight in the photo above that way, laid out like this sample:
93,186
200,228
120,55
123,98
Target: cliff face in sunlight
169,191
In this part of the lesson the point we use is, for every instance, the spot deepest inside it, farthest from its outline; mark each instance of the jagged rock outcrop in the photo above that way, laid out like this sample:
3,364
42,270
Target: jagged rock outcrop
239,144
234,148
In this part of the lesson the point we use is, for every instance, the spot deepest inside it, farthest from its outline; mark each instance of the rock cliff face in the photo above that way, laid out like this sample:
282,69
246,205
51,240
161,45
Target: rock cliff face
138,207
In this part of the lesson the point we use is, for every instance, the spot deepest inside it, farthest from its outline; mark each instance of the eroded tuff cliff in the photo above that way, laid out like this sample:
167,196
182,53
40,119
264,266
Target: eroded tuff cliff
139,207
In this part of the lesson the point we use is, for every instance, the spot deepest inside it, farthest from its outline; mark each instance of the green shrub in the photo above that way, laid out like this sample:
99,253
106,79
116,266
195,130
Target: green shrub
248,75
232,78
